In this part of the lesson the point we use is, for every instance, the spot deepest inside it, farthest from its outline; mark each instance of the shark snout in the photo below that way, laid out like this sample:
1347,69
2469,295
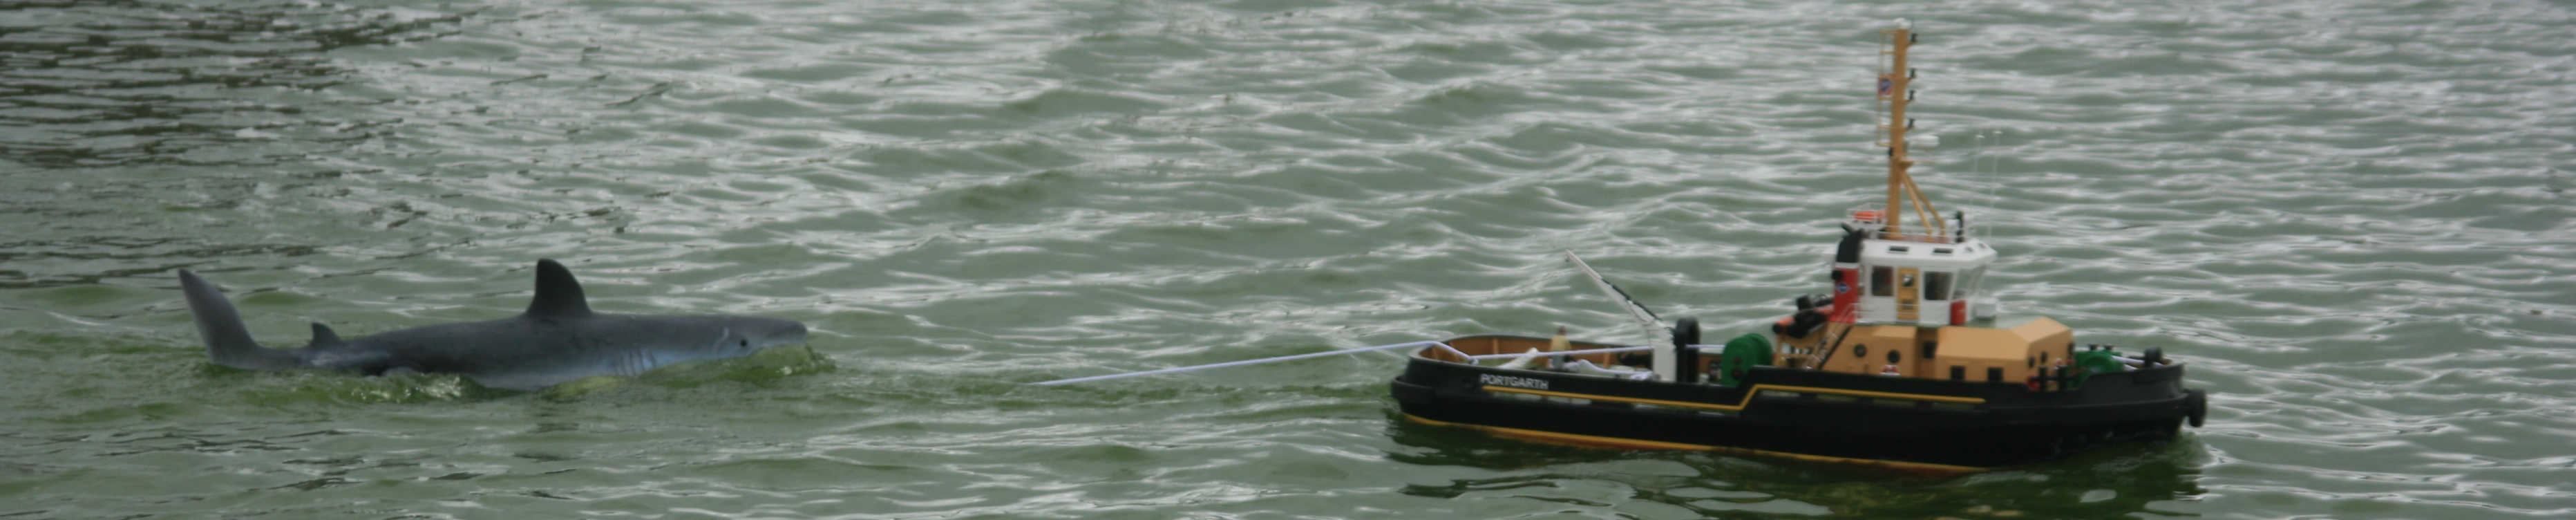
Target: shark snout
787,333
759,333
716,337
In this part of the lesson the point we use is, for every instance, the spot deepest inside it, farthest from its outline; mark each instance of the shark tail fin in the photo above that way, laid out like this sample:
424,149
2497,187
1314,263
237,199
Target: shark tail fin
228,342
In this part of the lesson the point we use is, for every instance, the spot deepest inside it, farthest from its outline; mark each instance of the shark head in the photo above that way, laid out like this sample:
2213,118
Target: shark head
639,343
559,297
630,345
738,336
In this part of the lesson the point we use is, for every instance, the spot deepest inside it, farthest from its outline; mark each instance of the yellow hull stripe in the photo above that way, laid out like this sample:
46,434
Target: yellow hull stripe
1865,393
1739,405
1491,388
1647,444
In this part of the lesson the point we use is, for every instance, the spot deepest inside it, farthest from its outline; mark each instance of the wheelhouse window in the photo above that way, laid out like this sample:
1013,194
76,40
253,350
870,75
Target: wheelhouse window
1882,281
1936,285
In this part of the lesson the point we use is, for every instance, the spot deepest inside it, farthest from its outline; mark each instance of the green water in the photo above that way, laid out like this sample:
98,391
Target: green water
2351,219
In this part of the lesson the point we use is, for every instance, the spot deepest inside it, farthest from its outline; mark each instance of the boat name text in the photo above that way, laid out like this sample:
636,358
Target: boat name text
1512,381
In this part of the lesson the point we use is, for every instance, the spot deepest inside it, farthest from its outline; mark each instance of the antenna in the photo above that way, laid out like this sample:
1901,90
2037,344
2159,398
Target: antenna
1977,167
1994,185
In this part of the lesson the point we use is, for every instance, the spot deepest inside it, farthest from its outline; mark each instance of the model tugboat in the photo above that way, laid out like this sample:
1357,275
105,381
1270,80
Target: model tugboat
1904,363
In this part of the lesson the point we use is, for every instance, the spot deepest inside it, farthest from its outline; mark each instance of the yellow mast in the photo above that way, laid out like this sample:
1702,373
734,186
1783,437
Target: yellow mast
1894,91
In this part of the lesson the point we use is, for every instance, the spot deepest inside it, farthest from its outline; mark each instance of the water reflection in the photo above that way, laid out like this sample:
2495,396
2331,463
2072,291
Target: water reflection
121,120
2118,482
112,83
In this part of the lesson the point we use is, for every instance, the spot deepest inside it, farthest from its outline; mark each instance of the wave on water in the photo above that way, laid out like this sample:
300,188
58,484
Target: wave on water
2347,219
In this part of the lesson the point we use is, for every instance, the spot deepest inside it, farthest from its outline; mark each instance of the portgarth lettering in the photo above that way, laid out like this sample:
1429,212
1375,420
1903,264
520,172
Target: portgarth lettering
1512,381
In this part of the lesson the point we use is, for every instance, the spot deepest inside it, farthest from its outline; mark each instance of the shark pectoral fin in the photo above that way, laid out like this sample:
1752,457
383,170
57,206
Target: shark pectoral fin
323,337
558,294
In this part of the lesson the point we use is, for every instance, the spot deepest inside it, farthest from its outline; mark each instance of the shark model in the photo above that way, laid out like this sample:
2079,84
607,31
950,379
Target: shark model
558,339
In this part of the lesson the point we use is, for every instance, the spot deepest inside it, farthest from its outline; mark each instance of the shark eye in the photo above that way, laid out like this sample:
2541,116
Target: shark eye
744,342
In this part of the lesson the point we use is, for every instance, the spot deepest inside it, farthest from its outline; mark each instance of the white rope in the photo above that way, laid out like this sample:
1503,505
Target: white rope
1443,346
1579,352
1245,362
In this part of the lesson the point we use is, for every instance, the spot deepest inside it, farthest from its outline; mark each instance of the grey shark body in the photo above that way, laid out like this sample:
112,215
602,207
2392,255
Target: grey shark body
557,339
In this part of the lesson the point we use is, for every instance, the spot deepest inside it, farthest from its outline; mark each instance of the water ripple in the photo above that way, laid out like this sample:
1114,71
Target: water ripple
2346,217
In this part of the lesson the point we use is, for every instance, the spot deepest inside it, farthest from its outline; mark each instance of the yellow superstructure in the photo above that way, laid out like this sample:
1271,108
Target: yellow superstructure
1956,352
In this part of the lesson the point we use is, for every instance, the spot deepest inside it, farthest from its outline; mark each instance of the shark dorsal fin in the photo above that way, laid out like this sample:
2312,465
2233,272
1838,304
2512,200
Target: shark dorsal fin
323,337
558,294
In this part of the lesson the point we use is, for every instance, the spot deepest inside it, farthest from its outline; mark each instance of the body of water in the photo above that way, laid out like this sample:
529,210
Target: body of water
2351,219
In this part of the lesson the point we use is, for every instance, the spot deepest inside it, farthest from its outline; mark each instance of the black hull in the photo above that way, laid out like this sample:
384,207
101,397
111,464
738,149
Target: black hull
1901,422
